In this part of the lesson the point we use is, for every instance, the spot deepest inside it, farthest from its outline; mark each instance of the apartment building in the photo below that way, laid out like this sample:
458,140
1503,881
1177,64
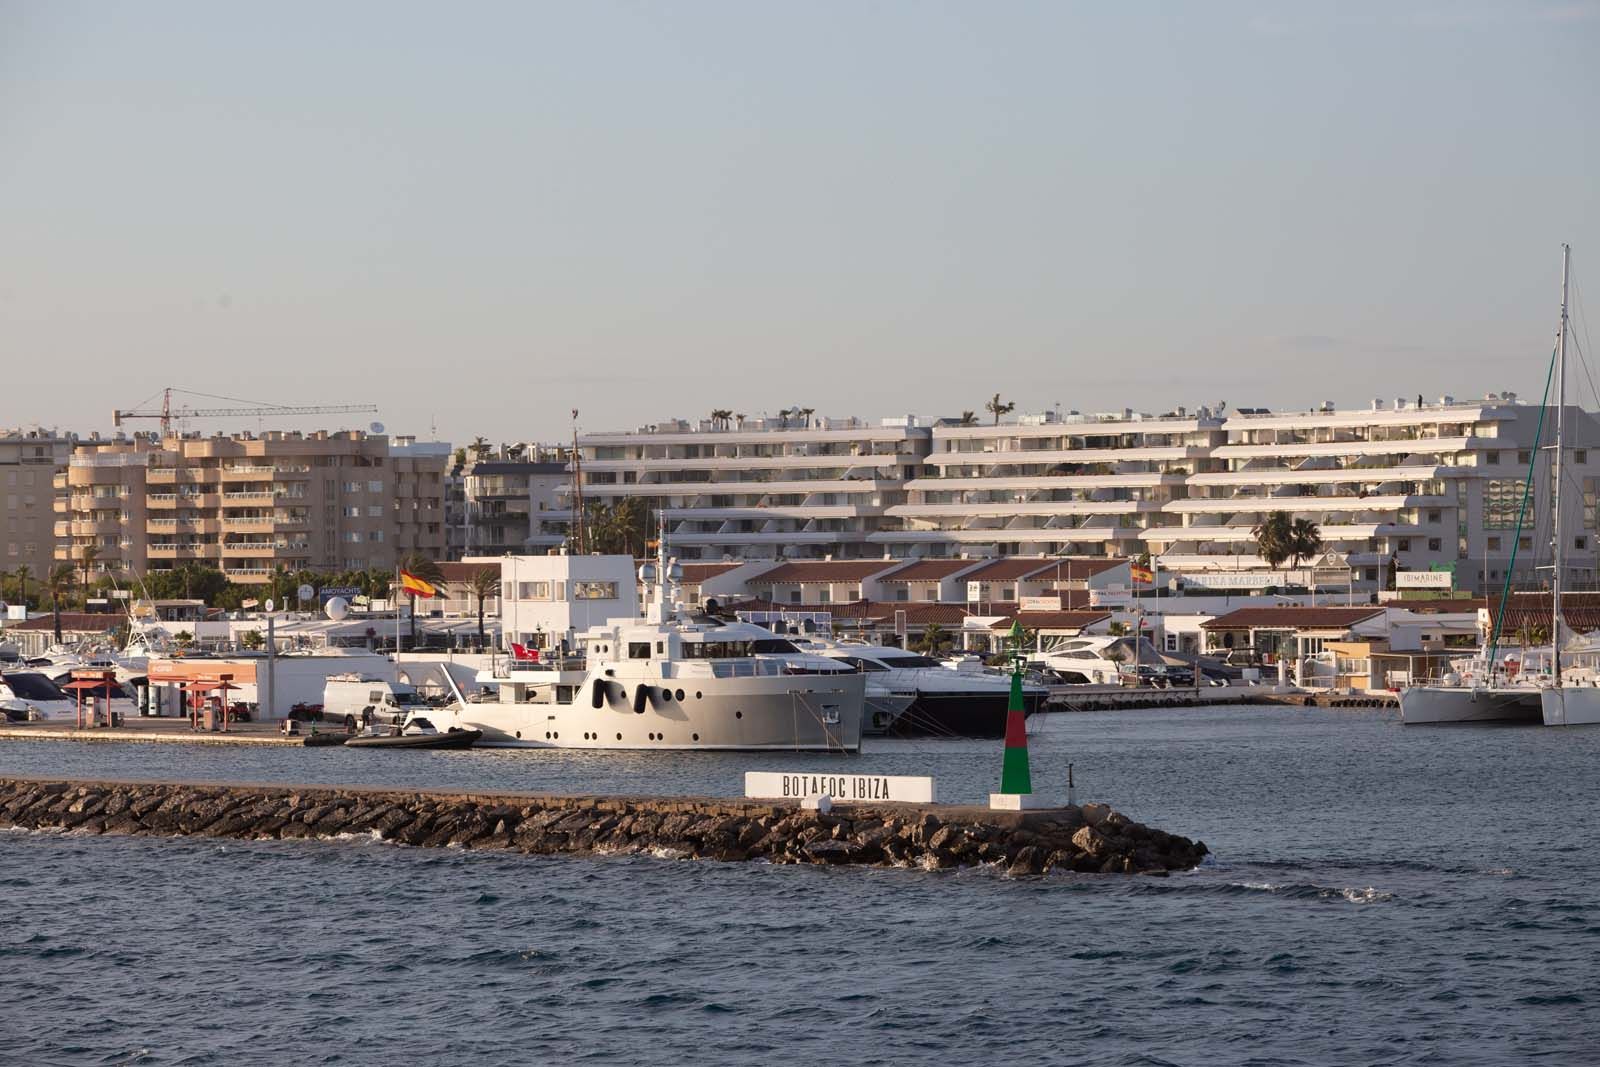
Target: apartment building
514,507
248,503
1401,485
763,488
29,462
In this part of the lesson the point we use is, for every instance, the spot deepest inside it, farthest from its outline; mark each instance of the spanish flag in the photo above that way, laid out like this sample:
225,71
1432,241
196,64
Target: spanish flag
417,587
1142,575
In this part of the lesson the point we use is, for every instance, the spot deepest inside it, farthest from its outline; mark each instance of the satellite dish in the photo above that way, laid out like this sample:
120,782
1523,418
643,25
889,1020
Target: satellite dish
377,427
305,592
269,605
337,608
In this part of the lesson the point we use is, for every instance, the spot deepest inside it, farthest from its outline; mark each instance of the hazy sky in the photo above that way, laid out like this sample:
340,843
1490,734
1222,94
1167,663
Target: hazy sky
483,215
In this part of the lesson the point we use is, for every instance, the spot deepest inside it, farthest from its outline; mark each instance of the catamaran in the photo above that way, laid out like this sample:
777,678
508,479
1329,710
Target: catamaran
1482,690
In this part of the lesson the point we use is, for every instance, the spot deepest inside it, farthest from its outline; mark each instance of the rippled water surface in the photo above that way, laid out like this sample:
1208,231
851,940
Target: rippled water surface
1379,895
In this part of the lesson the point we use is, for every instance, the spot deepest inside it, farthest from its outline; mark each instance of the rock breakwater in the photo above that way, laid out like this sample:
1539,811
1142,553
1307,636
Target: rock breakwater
1087,839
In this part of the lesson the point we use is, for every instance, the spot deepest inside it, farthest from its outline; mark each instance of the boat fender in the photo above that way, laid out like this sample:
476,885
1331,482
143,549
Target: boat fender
639,696
599,698
1310,702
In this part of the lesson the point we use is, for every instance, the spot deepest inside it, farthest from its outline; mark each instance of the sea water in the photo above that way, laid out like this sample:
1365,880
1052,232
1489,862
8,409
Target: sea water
1378,894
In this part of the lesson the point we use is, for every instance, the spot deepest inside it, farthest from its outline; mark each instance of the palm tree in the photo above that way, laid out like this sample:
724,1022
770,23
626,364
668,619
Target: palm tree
740,420
419,566
24,572
934,638
480,447
1274,536
806,413
720,417
969,418
88,554
58,583
1305,541
997,408
483,583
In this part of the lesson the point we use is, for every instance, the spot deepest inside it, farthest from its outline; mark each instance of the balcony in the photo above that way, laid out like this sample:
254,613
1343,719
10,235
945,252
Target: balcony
248,474
248,574
251,524
250,549
161,476
248,496
192,550
162,500
91,527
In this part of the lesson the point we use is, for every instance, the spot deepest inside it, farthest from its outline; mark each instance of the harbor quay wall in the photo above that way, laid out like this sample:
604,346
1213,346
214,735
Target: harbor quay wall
1087,839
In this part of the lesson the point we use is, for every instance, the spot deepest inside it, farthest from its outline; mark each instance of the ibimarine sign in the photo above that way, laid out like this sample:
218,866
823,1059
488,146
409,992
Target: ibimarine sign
808,785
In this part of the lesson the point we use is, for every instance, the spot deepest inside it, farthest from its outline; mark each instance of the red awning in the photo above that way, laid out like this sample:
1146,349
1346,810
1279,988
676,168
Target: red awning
98,683
205,687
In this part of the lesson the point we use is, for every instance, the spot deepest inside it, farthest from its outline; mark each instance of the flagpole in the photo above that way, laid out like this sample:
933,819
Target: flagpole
395,599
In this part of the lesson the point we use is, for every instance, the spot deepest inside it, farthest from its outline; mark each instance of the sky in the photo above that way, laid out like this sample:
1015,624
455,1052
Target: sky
480,216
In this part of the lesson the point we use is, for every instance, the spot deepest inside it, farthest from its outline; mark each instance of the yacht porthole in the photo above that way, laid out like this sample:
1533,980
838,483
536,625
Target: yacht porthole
519,735
679,695
697,737
547,735
698,695
738,715
619,737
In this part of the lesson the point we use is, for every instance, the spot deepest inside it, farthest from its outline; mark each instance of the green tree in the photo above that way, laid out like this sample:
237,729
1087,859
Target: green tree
997,408
24,572
483,583
1304,541
58,584
1274,538
87,555
419,566
969,418
934,639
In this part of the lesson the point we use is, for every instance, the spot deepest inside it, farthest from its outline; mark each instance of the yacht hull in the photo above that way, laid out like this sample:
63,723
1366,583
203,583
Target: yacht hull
1423,705
811,713
960,714
1570,705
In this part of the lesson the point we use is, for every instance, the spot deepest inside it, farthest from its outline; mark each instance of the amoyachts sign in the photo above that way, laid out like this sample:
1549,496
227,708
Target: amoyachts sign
782,785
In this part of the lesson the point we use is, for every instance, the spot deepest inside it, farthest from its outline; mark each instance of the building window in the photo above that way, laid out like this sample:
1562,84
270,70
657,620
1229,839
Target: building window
1491,458
1433,544
1523,456
533,590
1433,514
825,596
1405,544
374,487
1525,544
902,594
1580,455
794,596
638,649
1502,501
1492,544
1580,542
594,590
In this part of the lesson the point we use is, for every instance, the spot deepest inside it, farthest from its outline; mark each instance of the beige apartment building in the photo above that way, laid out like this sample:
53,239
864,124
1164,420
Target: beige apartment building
29,462
247,503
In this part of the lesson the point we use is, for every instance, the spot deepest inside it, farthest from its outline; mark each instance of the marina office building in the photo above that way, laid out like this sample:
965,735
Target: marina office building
1398,484
246,504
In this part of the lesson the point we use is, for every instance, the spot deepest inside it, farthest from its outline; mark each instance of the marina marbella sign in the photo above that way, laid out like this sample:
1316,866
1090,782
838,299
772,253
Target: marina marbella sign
809,785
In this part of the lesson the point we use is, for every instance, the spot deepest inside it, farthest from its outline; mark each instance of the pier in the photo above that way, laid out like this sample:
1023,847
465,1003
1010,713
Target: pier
1091,839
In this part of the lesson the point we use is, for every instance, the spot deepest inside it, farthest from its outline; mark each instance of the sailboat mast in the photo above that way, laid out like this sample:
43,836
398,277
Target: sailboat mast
1555,491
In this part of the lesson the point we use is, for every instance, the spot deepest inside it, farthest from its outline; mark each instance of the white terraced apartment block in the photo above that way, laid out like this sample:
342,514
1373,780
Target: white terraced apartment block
765,488
1391,485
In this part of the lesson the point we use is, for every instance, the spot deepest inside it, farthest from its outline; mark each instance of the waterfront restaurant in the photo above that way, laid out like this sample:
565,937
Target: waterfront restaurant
1283,631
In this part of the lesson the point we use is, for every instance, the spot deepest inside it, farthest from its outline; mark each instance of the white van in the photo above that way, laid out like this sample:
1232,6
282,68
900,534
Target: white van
354,700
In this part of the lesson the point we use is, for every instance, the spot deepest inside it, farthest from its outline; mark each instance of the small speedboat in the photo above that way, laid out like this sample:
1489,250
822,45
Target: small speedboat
417,732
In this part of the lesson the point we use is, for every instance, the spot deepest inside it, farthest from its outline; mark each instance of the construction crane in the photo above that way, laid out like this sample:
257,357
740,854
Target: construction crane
256,410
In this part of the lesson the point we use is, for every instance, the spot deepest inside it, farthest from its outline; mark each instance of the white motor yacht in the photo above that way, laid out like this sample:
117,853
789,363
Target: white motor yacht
669,681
